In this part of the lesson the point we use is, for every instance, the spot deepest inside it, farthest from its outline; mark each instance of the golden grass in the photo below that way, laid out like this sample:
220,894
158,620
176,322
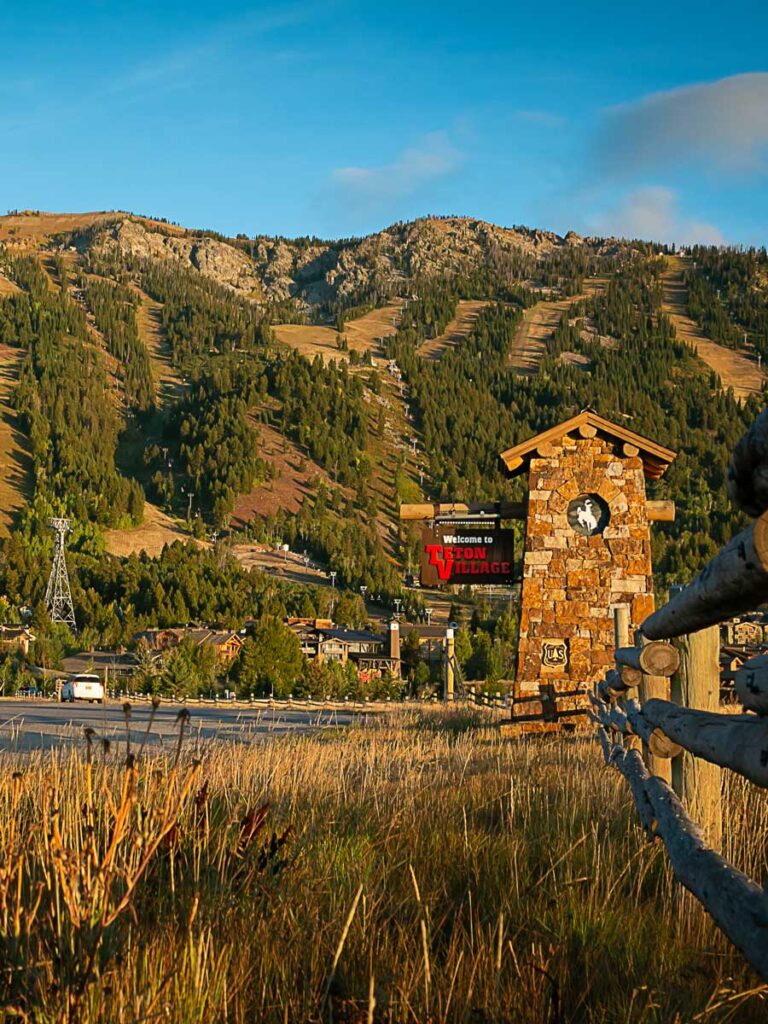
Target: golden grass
15,460
295,476
32,227
311,341
467,312
538,325
379,323
735,369
168,383
157,530
414,868
7,287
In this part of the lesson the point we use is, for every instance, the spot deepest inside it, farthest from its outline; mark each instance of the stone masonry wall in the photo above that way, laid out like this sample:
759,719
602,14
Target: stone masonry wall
572,582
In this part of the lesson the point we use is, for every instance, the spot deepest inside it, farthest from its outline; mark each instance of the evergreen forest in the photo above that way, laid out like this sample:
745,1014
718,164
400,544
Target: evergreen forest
102,437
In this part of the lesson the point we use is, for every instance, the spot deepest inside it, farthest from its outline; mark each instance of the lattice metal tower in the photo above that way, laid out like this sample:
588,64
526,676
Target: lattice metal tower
58,596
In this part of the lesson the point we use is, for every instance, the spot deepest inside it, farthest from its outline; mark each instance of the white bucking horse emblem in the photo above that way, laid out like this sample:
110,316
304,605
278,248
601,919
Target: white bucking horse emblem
585,516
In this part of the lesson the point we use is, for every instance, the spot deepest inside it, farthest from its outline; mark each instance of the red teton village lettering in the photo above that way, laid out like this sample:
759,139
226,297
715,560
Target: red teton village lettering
456,560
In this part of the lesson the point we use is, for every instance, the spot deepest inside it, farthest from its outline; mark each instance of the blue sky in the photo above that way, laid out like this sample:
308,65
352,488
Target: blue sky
339,117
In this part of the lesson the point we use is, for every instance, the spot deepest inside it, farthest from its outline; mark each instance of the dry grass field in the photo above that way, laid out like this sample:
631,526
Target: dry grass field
467,312
7,287
15,460
736,370
361,334
32,227
157,530
539,323
295,473
168,383
396,463
414,868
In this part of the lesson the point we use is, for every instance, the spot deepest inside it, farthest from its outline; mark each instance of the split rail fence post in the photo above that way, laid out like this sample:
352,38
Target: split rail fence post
450,656
621,639
696,684
621,625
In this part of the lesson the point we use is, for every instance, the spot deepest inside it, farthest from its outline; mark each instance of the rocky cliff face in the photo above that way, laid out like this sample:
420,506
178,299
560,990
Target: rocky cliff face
318,273
310,272
223,263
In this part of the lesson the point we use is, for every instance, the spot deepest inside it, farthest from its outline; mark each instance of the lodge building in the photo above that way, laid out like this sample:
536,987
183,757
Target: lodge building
371,653
226,643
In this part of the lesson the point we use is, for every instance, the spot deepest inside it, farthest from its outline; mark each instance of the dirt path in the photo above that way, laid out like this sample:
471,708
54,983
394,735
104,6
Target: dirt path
538,325
736,370
168,383
15,459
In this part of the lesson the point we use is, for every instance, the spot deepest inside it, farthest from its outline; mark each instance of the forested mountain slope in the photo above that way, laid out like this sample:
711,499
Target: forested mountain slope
299,390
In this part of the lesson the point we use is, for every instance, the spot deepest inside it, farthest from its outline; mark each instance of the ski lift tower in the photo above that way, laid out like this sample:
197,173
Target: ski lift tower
58,596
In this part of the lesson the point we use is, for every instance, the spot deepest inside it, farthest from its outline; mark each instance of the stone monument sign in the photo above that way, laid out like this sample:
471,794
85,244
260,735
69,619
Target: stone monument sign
587,550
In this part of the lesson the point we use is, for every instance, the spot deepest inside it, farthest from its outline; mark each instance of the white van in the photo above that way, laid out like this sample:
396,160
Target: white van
82,686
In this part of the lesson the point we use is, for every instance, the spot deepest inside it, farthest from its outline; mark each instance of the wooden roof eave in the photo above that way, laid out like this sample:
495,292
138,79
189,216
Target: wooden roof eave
655,457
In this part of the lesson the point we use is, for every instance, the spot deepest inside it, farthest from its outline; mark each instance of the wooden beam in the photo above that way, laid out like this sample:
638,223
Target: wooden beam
751,684
611,688
657,742
630,677
651,451
657,658
462,509
586,430
737,742
629,451
621,625
657,511
632,723
661,511
513,463
736,580
416,512
748,472
612,718
630,764
738,905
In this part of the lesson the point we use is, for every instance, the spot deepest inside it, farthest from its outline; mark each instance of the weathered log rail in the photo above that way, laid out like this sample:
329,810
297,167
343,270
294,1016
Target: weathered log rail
734,581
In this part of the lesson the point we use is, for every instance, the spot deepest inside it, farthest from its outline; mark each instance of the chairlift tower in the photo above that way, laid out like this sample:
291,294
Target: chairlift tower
58,596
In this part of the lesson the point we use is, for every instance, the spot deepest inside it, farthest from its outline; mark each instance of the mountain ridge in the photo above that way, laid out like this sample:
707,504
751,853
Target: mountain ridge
311,273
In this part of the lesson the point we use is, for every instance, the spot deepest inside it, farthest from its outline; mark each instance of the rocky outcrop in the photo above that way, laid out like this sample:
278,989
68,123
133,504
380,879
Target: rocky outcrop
223,263
316,273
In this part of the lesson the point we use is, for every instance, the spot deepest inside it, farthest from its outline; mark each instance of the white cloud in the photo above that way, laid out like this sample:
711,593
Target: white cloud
434,156
185,63
652,214
723,124
542,117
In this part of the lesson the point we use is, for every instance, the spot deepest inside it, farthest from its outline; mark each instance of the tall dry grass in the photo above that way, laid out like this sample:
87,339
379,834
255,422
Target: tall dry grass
414,868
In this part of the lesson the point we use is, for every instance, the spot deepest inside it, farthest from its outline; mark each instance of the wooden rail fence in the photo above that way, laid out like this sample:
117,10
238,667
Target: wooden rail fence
671,744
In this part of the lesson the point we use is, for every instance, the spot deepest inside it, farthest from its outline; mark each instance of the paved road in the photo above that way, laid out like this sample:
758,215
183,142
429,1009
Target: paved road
41,724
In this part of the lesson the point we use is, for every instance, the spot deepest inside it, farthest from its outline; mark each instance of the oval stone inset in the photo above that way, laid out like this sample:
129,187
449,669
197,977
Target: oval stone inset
588,514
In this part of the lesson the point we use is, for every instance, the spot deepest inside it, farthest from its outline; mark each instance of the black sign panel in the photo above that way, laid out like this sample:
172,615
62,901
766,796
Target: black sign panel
467,553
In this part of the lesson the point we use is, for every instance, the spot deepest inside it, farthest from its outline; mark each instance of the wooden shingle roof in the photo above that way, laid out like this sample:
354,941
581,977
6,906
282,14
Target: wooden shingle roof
655,457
